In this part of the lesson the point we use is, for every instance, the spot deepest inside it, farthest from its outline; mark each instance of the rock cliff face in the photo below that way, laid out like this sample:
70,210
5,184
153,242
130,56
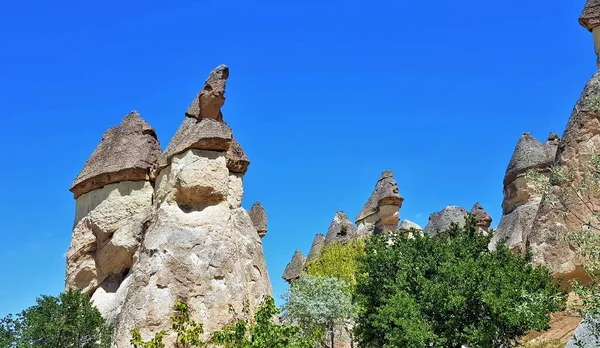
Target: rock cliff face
382,210
580,142
341,229
521,199
139,245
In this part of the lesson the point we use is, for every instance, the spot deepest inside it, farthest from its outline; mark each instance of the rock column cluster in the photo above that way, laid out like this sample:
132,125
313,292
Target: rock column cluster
153,227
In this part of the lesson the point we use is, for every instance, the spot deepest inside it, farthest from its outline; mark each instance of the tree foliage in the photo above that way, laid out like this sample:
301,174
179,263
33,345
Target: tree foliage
319,305
338,260
68,320
264,332
449,290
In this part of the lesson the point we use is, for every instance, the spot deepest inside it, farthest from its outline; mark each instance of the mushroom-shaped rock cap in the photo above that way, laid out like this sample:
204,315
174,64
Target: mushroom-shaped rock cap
211,97
482,217
316,247
237,161
259,218
407,225
590,17
295,267
126,152
529,154
386,193
341,229
441,220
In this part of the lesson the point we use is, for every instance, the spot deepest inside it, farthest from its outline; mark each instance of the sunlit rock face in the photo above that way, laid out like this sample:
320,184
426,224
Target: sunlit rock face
382,210
442,220
521,197
590,19
579,144
169,226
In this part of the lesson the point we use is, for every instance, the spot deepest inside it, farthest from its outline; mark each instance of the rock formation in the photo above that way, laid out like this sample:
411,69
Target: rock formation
295,267
341,229
586,334
316,247
139,247
259,219
521,198
113,202
382,210
440,221
483,219
407,225
590,19
579,144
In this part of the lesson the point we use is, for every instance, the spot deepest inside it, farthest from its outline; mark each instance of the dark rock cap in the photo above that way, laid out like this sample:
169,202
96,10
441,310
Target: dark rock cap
126,152
316,247
295,267
484,220
341,229
590,17
237,161
259,218
211,97
386,193
529,154
441,220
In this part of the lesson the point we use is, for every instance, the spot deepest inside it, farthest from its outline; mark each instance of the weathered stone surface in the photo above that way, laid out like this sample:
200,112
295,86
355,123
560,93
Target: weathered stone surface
107,229
126,153
407,225
590,17
316,247
258,215
295,267
521,198
211,97
586,335
441,220
382,209
580,142
237,161
483,219
205,134
340,230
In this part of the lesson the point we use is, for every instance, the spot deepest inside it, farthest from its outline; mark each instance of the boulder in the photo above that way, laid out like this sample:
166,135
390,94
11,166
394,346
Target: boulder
316,247
295,267
579,145
441,220
126,153
259,218
407,225
586,335
341,229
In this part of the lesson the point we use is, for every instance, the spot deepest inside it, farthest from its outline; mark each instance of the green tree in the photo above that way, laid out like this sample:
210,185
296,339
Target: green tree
338,260
320,305
264,332
66,321
449,290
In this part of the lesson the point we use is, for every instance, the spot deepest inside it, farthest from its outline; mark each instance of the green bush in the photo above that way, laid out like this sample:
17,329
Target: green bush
449,290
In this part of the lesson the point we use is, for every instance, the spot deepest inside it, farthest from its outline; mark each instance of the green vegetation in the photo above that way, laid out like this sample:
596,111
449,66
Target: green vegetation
449,290
338,260
66,321
320,306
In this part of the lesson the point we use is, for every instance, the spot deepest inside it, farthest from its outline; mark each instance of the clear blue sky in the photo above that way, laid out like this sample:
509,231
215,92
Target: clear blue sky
323,96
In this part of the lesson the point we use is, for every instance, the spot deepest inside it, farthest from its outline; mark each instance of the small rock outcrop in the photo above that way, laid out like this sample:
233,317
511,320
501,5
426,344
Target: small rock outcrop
579,144
586,334
590,19
316,247
259,218
341,229
521,198
113,196
138,245
440,221
482,218
295,267
407,225
382,210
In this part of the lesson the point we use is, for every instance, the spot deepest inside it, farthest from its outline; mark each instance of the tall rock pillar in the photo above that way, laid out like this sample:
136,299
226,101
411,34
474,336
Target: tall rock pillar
382,210
590,19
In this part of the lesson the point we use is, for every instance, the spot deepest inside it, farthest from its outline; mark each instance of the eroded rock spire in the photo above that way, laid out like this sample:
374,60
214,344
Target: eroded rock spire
382,209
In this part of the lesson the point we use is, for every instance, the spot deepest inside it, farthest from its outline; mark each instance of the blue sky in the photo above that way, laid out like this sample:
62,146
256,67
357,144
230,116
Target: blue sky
322,95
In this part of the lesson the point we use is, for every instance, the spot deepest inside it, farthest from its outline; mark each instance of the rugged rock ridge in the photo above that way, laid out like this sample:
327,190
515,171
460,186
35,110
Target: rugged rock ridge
521,199
138,245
